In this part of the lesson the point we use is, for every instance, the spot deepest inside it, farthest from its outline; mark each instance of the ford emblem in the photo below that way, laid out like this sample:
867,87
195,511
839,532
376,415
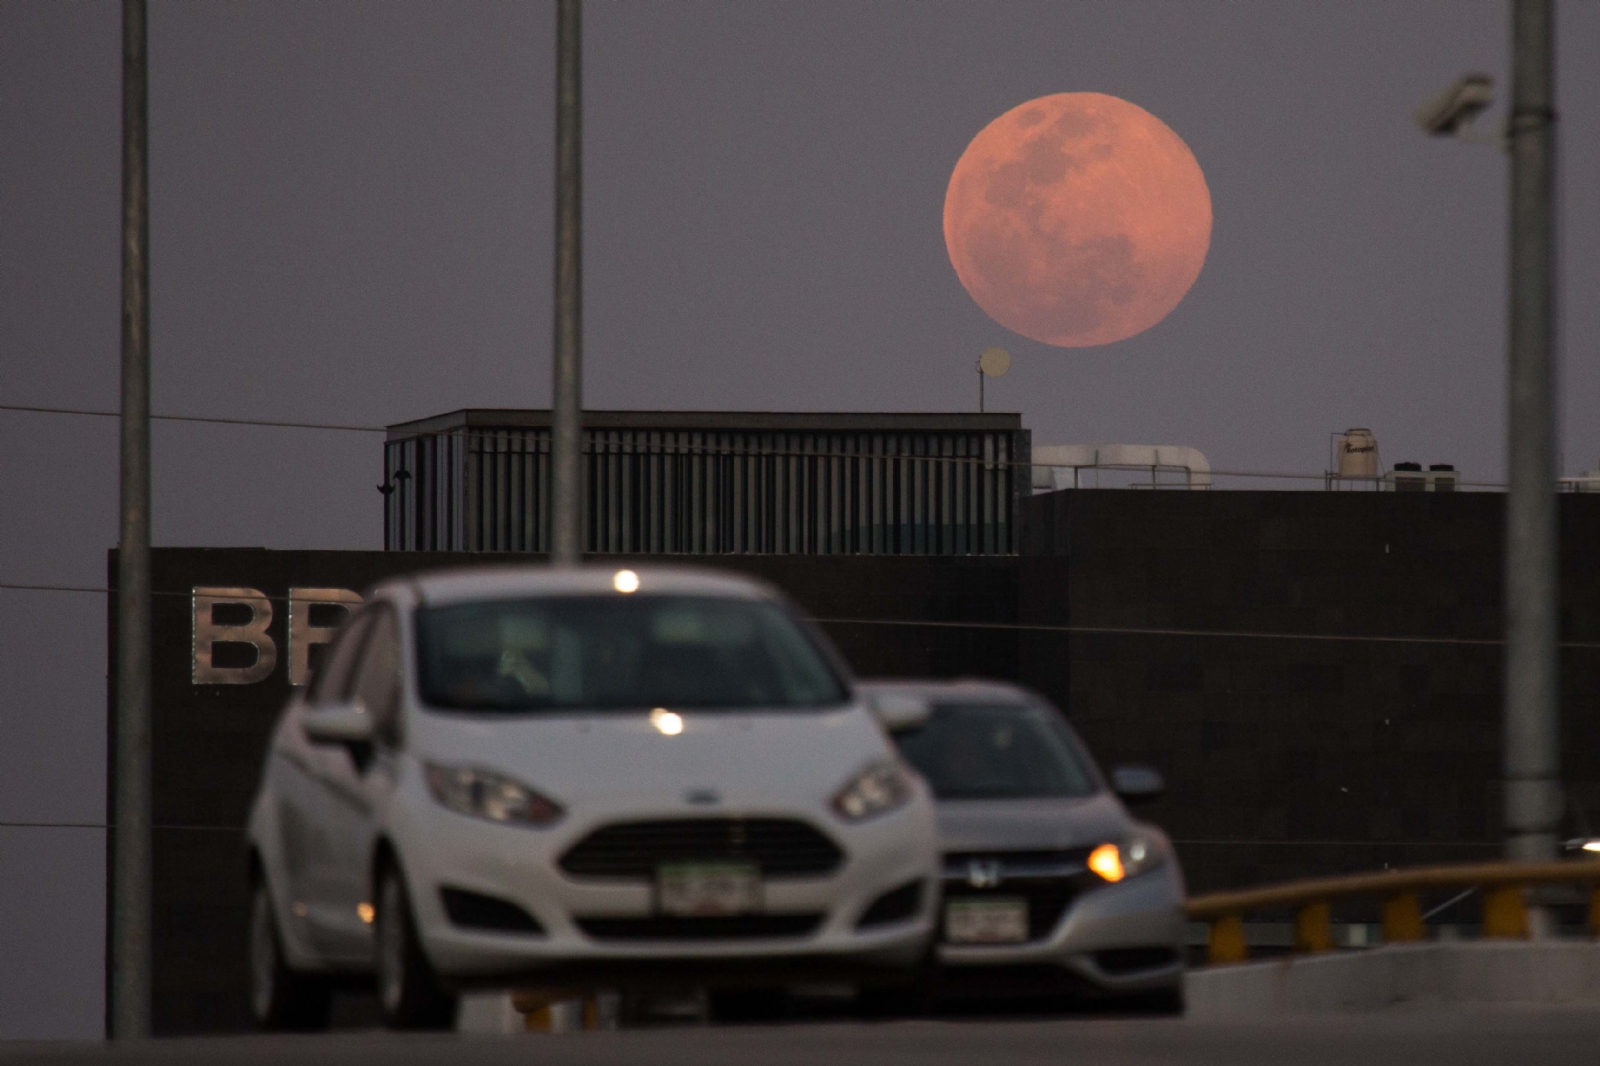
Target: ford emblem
984,873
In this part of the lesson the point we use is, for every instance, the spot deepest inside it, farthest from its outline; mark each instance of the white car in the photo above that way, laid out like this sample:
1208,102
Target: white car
1050,885
581,778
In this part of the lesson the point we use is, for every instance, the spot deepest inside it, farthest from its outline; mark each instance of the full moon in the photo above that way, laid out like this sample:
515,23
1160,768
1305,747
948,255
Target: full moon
1077,219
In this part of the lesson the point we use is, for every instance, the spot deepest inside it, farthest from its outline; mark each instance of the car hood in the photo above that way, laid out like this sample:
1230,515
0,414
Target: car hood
1031,824
617,761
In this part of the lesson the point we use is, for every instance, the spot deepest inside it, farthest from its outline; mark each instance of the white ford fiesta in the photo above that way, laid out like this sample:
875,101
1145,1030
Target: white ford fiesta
578,778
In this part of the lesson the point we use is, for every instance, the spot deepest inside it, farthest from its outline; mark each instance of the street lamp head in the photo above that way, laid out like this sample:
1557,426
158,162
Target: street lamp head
1457,106
994,362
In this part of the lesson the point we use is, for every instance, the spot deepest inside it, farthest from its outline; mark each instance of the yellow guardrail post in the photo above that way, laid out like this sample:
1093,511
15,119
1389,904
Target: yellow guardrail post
1402,919
1313,927
1504,912
1227,940
538,1007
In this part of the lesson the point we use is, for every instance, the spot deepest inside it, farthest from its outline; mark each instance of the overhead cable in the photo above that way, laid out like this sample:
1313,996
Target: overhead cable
1027,627
1278,475
196,418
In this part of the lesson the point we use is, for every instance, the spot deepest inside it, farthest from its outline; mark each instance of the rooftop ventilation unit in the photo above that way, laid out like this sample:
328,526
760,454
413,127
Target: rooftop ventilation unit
1410,477
1061,466
1588,481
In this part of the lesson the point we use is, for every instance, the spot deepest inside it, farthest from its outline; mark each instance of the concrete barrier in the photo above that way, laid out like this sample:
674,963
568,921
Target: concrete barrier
500,1014
489,1014
1484,971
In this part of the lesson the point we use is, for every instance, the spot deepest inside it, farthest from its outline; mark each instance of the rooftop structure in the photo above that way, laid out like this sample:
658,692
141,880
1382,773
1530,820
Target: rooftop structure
713,482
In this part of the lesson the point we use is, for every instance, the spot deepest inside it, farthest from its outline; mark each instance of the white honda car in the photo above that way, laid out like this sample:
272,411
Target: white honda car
581,778
1050,884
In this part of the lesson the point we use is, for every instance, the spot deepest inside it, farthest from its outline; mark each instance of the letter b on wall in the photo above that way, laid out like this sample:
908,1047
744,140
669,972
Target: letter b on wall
228,624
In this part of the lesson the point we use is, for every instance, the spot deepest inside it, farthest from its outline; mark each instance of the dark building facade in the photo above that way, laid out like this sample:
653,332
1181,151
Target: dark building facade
1319,675
714,483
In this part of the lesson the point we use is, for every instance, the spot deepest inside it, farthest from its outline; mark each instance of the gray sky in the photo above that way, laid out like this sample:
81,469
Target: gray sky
351,221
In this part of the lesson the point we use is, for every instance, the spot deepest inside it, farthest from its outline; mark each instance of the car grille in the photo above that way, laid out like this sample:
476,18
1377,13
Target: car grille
781,847
720,927
1053,862
1048,880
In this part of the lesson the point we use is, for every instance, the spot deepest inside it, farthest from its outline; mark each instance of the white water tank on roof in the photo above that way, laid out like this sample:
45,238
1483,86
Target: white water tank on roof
1356,454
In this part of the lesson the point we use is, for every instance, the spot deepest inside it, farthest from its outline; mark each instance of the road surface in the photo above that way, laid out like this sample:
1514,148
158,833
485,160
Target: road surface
1414,1037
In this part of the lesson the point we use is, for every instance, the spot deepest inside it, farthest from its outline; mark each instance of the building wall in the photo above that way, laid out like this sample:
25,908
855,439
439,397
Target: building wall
1292,756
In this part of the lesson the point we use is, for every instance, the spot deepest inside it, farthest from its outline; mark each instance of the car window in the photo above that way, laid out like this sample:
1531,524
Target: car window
998,751
616,652
377,683
332,680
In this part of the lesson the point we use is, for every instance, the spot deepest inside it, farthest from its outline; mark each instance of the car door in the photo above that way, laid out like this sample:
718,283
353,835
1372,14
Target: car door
306,821
358,784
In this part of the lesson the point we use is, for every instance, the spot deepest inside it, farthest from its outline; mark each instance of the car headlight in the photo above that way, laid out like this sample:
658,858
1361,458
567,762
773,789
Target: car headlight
1138,853
486,794
879,788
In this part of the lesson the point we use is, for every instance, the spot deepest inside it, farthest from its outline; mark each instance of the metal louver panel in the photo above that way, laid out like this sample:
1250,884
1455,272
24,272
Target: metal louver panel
714,491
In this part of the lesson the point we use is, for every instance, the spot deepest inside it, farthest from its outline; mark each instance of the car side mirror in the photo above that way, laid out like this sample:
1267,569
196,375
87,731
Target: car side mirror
1136,784
338,723
899,712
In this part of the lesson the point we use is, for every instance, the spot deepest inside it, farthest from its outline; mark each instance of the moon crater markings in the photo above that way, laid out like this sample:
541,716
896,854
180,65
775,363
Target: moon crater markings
1077,219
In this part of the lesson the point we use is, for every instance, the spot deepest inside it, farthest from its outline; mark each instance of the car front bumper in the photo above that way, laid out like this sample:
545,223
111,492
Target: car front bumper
521,866
1124,937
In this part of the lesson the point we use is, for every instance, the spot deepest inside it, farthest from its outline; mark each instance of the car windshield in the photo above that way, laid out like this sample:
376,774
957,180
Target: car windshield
618,652
997,751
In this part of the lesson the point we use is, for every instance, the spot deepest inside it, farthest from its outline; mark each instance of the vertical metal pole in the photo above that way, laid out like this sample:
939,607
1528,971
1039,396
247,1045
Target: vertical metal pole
566,470
1533,746
130,860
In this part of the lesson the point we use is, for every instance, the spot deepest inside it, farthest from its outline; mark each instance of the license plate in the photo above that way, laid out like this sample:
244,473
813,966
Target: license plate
986,921
708,888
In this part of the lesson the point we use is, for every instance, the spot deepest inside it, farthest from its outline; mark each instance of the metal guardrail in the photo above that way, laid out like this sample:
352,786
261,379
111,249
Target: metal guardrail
1505,910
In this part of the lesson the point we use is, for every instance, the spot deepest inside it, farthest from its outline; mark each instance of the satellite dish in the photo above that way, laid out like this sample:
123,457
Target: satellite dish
994,362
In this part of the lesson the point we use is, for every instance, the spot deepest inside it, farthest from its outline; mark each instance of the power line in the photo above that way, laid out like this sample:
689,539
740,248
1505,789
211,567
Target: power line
1027,627
113,825
1451,902
1169,632
55,825
197,418
1276,475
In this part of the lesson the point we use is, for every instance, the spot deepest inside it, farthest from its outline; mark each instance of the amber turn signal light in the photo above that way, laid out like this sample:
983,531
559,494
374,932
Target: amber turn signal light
1106,860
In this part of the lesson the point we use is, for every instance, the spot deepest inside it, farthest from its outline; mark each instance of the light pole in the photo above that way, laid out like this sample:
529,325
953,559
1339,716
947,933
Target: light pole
130,803
1533,801
1533,686
566,402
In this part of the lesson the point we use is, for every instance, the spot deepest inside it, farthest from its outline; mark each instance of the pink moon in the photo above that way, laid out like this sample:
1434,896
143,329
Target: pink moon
1077,219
